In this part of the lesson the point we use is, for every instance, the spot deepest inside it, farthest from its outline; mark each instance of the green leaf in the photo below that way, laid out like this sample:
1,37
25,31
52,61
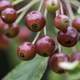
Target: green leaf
29,70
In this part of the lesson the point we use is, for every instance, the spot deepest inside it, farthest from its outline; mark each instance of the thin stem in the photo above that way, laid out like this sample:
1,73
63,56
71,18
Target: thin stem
59,46
45,14
40,6
69,8
61,8
17,2
32,2
25,10
36,37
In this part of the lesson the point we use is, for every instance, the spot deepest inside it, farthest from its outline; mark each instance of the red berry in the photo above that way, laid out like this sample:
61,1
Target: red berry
4,42
4,4
76,24
26,51
55,60
24,34
75,56
35,21
68,38
51,5
45,46
12,30
2,26
9,15
61,22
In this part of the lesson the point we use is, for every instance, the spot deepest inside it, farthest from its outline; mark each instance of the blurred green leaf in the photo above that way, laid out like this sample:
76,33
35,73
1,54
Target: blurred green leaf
29,70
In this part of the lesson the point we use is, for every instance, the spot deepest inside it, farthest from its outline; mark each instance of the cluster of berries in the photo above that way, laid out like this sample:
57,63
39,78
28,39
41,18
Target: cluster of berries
68,34
8,16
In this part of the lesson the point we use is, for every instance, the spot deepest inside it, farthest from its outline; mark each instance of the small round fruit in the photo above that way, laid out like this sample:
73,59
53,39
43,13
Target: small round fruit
9,15
75,56
55,60
61,22
68,38
45,46
76,24
24,34
12,30
4,4
26,51
35,21
51,5
2,26
4,42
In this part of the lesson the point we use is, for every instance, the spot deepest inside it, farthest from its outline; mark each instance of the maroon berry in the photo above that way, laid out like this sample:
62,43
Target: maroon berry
9,15
45,46
26,51
12,30
2,26
76,24
68,38
24,34
61,22
75,56
55,60
4,42
4,4
35,21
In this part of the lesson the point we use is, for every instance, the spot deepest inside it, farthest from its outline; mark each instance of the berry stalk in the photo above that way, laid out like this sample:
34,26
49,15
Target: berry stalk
25,9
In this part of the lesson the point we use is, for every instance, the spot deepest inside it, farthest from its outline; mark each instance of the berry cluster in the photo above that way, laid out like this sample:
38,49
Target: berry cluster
35,21
68,36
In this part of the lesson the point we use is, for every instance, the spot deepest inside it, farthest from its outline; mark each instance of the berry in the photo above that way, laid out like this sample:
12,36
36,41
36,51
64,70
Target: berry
4,42
75,56
26,51
2,26
51,5
45,46
68,38
76,24
55,60
9,15
24,34
4,4
12,30
35,21
61,22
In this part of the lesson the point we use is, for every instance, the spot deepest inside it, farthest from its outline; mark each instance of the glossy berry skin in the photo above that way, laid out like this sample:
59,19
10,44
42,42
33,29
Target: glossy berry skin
35,21
55,60
12,30
51,5
26,51
45,46
9,15
68,38
76,24
61,22
4,4
2,26
75,56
